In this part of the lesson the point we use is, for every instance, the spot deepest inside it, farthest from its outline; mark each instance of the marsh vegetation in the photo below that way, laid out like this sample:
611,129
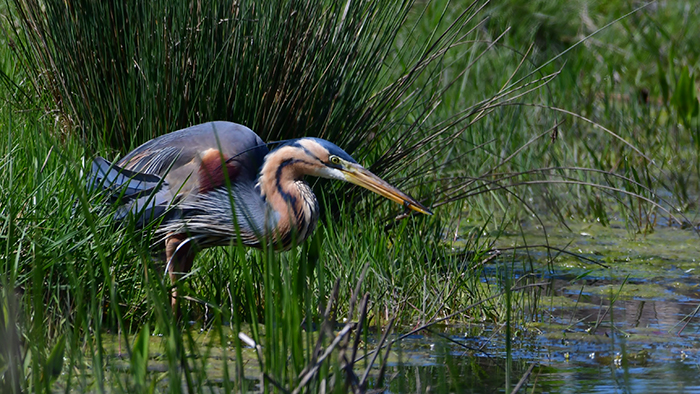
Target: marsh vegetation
557,143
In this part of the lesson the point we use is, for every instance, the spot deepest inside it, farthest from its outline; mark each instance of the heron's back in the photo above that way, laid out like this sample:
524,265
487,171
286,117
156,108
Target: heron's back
181,166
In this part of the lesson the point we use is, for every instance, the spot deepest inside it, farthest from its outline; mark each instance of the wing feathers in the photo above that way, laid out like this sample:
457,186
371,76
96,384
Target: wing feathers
151,161
143,195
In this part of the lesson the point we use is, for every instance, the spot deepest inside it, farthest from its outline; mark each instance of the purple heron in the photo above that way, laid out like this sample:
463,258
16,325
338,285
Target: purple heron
214,182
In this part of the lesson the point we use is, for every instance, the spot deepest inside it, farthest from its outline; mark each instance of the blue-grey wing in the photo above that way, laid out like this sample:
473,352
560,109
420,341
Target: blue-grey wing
145,195
180,166
186,147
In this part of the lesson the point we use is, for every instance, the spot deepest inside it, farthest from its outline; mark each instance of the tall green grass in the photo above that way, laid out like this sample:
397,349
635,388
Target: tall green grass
126,72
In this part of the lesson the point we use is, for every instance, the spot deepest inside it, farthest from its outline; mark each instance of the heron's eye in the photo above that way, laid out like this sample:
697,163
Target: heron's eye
334,160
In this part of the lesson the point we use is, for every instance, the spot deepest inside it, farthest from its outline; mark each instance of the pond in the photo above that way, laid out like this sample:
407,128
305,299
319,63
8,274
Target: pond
630,327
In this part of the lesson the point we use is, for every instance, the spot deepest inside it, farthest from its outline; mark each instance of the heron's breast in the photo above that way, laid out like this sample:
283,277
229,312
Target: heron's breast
296,215
307,212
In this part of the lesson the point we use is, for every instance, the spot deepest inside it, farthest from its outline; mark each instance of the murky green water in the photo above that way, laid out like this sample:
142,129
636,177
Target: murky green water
630,327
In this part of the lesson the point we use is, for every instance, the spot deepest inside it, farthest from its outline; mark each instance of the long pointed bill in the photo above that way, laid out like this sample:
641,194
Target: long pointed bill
360,176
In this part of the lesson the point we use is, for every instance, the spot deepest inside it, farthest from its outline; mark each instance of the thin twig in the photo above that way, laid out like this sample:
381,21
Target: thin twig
312,371
523,379
387,330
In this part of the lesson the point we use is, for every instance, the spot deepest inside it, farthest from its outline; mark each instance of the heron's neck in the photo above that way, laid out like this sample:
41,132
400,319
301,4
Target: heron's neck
292,206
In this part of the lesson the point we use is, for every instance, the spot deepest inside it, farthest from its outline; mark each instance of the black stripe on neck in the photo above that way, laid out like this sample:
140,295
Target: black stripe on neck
278,176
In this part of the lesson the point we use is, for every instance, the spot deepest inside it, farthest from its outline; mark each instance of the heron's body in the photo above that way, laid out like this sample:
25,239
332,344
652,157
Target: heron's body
213,182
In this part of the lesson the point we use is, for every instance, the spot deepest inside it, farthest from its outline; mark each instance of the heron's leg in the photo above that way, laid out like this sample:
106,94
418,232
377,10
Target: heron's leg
179,262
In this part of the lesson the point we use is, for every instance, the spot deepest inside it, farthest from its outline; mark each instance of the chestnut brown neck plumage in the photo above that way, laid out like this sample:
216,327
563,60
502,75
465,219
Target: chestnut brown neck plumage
291,206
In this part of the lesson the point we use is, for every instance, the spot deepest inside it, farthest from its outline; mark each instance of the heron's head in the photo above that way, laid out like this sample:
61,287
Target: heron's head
318,157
